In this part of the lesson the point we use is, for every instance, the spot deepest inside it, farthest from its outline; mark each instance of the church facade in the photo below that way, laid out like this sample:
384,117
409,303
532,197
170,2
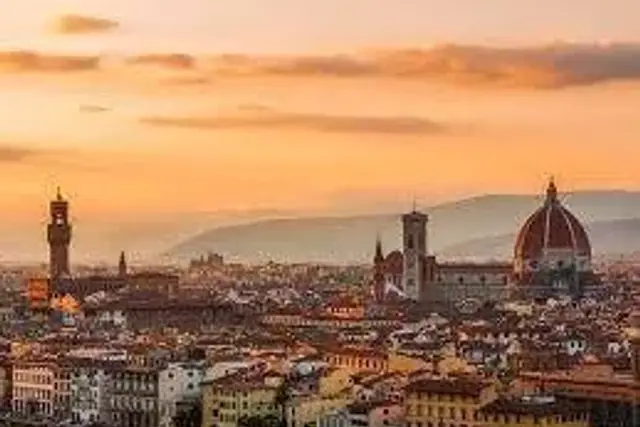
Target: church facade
552,257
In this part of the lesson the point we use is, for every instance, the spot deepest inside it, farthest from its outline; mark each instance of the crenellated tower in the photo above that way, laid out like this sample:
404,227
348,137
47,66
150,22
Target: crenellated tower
59,237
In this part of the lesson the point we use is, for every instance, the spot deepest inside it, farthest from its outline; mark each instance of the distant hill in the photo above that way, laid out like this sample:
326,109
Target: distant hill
477,227
607,237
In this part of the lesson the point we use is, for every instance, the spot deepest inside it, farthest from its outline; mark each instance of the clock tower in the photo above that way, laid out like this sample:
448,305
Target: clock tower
59,237
414,231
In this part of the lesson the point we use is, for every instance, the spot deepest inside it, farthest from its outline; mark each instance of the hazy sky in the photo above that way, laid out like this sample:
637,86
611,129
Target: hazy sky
136,106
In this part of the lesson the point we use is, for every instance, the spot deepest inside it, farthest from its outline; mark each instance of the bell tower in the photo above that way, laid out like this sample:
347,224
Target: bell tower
378,273
59,237
414,231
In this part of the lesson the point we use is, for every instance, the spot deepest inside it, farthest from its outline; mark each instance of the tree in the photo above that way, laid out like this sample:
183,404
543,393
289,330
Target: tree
189,417
32,407
254,421
258,421
282,398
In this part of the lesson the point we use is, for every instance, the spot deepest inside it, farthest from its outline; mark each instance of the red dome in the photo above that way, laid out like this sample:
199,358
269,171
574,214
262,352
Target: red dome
552,226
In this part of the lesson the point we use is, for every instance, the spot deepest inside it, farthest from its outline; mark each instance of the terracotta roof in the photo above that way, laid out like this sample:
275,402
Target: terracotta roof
363,408
499,268
551,226
535,406
451,386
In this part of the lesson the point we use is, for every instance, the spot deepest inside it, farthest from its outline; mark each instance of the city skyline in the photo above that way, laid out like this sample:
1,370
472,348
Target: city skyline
221,107
329,213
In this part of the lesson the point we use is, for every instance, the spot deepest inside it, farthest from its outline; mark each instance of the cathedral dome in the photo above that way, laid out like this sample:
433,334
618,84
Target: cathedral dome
551,227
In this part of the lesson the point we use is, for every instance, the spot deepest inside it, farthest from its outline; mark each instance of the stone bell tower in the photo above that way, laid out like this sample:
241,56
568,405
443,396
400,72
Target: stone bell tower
59,238
414,230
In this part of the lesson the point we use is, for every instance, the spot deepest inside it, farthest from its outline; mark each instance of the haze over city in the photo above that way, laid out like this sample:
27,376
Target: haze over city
250,109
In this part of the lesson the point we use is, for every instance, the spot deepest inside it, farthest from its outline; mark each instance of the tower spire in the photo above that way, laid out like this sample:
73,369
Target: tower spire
378,271
122,265
58,194
379,256
552,190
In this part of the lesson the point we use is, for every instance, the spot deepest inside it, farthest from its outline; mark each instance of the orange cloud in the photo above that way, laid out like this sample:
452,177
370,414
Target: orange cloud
26,61
47,159
79,24
256,116
538,67
14,154
93,109
547,67
186,80
169,60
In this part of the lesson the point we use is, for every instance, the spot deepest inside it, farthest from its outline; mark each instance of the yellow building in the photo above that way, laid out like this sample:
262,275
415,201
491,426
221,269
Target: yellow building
534,412
334,381
306,410
406,364
357,359
226,400
456,401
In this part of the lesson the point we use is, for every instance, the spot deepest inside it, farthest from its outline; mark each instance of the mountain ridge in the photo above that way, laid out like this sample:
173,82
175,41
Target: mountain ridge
618,236
348,239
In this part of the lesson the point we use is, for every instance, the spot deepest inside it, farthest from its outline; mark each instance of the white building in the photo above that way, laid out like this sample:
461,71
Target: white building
226,368
33,388
99,354
90,384
335,418
115,317
178,382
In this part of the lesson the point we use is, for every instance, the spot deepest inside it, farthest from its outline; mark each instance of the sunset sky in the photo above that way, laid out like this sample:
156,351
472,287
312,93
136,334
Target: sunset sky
139,106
